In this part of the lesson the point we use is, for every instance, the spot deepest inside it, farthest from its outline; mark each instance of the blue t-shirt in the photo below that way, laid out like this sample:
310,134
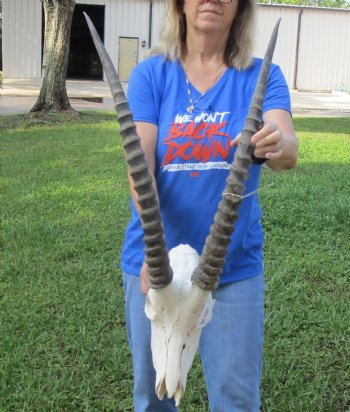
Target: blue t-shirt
193,156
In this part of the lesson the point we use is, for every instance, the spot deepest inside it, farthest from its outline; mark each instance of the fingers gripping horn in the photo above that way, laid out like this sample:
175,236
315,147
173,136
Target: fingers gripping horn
206,275
160,273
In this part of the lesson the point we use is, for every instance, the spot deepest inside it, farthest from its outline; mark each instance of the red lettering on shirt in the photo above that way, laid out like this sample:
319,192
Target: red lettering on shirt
186,141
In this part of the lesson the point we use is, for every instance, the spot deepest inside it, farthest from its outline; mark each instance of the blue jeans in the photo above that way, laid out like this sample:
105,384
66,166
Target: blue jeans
230,348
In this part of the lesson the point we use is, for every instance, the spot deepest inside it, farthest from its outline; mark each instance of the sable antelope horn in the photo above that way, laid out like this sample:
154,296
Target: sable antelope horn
206,275
160,273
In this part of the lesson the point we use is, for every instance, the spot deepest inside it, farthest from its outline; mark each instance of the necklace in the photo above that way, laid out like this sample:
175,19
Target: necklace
191,107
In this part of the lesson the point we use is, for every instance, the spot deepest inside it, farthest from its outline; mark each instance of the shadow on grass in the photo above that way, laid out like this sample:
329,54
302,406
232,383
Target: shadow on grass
322,124
25,121
66,205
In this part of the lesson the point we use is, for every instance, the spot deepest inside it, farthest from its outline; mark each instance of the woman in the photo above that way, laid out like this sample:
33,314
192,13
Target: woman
189,101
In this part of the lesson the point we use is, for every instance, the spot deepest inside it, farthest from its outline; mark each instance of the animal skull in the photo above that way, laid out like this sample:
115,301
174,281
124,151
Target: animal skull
177,313
181,288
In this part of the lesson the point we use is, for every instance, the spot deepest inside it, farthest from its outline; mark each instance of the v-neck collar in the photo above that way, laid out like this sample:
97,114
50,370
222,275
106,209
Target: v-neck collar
204,104
195,90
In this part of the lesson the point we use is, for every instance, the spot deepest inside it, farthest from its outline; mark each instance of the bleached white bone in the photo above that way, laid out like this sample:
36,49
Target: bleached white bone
174,305
177,313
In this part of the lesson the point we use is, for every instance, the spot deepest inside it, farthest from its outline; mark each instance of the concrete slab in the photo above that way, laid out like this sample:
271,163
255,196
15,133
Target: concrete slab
333,104
19,96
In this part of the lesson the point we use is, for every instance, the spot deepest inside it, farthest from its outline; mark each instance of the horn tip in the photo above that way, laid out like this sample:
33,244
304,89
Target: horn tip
87,17
277,25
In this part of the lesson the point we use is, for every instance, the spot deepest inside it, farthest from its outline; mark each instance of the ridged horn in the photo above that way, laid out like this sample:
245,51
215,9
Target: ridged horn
160,273
206,275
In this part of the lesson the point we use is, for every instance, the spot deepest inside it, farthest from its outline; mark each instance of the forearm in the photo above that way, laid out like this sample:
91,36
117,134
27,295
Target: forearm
148,136
276,141
133,192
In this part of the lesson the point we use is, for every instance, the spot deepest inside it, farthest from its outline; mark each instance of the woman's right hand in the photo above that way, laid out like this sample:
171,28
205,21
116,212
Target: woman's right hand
144,284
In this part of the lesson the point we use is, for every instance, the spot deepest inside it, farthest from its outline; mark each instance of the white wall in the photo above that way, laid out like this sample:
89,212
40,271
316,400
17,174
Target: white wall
126,18
324,58
22,34
157,19
21,38
284,55
322,61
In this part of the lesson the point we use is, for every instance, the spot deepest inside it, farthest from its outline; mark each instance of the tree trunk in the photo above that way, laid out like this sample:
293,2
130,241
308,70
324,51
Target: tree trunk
58,21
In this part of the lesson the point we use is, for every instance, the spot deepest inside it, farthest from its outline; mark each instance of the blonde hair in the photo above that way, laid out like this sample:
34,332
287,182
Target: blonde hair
238,52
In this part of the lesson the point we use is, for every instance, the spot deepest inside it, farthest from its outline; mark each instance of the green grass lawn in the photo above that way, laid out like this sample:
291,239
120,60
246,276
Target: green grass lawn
64,208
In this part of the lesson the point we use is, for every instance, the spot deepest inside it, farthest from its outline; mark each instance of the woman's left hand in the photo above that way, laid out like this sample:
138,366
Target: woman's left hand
268,141
275,141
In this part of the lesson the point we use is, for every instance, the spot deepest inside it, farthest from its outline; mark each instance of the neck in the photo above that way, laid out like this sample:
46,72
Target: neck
205,47
204,64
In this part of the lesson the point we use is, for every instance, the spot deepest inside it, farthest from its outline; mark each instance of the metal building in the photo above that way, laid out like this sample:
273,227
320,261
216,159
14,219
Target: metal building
126,26
313,45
